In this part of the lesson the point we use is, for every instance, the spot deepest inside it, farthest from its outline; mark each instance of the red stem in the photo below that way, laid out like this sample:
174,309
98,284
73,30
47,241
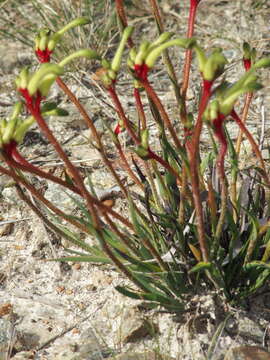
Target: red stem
34,170
35,111
153,96
219,133
193,149
188,54
119,109
164,163
207,85
122,16
139,107
15,159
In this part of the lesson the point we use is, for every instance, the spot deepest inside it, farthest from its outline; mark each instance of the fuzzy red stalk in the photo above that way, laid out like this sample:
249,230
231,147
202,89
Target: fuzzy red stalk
188,55
219,133
141,71
193,148
206,94
139,107
12,152
247,64
119,109
119,5
34,108
44,56
153,96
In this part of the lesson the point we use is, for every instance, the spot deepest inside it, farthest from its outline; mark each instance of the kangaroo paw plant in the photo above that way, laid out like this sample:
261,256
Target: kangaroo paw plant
197,221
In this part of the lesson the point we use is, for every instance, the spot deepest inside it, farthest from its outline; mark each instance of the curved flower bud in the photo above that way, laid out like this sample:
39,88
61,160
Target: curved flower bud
144,138
12,131
43,78
21,130
214,65
200,56
142,53
9,130
105,64
17,108
249,55
22,79
212,111
116,62
227,104
46,41
210,67
132,55
76,22
161,39
88,53
262,63
154,54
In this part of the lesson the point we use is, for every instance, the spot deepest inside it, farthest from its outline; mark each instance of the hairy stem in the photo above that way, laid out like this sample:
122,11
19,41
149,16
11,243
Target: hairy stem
165,54
192,146
73,171
153,96
188,54
94,132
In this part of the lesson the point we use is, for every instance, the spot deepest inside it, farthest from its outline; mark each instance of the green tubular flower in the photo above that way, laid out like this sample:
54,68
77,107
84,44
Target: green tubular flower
9,130
153,54
87,53
13,130
8,127
142,53
228,103
37,85
112,68
144,138
116,62
144,59
164,37
22,79
249,56
43,79
227,95
22,129
212,66
212,110
46,40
